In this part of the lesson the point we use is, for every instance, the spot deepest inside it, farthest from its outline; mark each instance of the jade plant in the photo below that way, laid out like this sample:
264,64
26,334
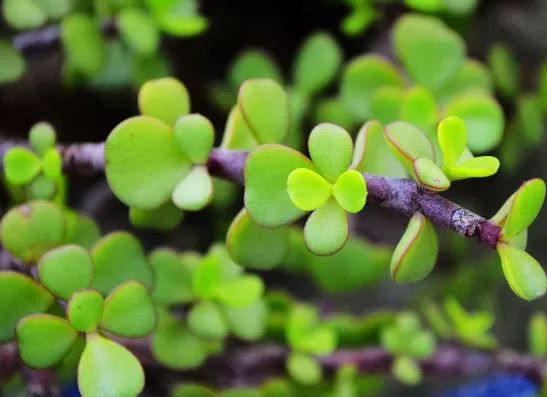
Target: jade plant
342,175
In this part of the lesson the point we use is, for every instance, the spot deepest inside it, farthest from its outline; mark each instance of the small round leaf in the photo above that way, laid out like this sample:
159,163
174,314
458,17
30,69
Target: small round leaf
326,229
307,189
165,99
525,207
408,143
195,136
172,277
253,64
350,191
430,176
195,191
452,138
304,369
84,310
240,292
21,166
82,43
12,64
206,320
139,30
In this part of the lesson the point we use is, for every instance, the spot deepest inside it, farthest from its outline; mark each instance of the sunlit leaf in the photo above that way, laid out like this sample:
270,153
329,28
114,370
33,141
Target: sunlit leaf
21,165
331,150
307,189
195,191
525,207
430,176
350,191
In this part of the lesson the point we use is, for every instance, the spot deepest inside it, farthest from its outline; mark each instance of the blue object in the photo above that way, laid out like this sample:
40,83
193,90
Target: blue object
496,386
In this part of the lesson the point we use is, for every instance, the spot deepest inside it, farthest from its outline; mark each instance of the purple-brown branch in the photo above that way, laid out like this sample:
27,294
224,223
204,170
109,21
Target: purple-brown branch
401,195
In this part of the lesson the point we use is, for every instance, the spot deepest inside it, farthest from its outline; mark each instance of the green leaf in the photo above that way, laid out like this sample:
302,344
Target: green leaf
29,230
537,334
21,166
65,270
331,150
42,188
530,118
247,323
333,110
419,108
128,311
372,154
422,345
350,191
504,69
385,104
80,230
165,99
326,229
166,217
143,164
483,117
452,138
406,370
430,52
430,176
119,257
206,320
55,9
476,167
82,43
138,30
460,7
304,369
144,69
264,105
237,134
14,286
195,136
195,191
416,253
107,369
174,346
408,143
52,164
307,189
189,390
172,277
12,64
361,77
84,310
305,334
542,87
339,273
43,339
266,171
524,274
473,76
178,17
253,64
240,292
23,14
525,207
425,5
316,63
254,246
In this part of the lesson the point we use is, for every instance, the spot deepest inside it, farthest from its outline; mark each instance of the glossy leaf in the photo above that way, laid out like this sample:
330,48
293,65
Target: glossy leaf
307,189
316,63
361,77
523,273
84,310
265,107
408,143
452,138
44,339
12,64
205,319
266,172
195,136
13,286
195,191
165,99
430,176
525,207
350,191
165,217
483,118
30,230
82,43
326,229
254,246
107,369
331,150
172,277
139,30
430,52
119,257
65,270
416,253
143,164
21,166
128,311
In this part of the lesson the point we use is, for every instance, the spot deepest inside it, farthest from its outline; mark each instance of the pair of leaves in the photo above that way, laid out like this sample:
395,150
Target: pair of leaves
458,162
44,339
523,273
